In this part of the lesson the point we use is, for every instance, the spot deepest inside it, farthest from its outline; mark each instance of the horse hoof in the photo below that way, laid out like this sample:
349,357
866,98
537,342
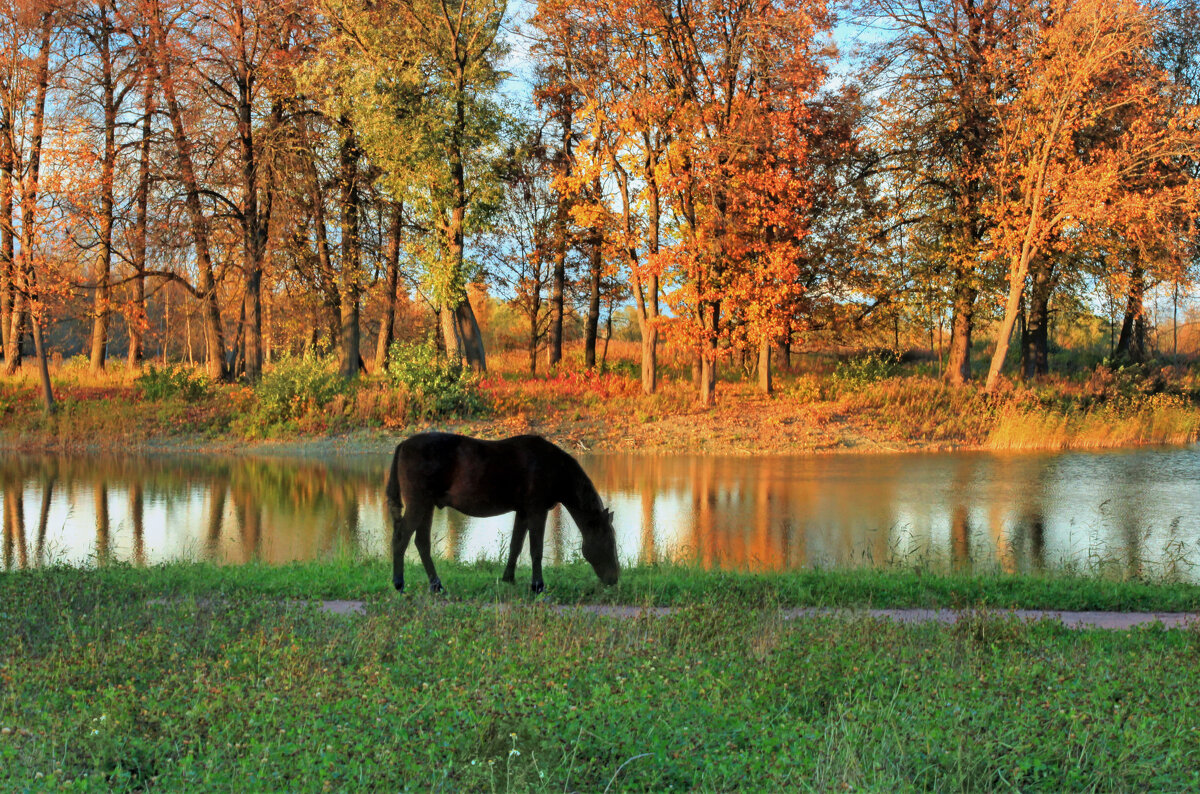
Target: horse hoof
436,588
538,587
398,584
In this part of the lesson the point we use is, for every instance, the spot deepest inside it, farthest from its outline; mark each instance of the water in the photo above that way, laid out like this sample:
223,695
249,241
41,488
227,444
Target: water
1128,512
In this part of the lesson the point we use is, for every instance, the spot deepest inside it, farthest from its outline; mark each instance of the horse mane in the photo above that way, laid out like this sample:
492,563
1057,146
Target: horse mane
580,494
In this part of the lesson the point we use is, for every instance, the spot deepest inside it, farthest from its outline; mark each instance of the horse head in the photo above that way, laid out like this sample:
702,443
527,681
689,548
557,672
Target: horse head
600,546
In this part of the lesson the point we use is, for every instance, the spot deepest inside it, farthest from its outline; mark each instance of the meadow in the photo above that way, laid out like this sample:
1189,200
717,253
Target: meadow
208,679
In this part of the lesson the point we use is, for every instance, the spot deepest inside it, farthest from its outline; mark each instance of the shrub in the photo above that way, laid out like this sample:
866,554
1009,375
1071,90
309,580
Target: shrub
436,386
172,381
297,386
864,368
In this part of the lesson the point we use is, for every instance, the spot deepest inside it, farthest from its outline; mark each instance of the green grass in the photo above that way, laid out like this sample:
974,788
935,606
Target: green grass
643,585
100,691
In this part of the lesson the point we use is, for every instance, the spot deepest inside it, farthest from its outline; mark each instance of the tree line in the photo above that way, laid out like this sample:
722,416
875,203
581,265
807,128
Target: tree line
718,164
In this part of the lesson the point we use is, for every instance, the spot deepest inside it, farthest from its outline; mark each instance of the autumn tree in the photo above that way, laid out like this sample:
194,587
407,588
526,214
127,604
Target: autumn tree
622,122
521,251
32,28
1088,141
743,77
166,52
105,87
933,68
241,54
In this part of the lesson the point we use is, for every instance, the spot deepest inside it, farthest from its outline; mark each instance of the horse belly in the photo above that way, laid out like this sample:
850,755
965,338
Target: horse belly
483,498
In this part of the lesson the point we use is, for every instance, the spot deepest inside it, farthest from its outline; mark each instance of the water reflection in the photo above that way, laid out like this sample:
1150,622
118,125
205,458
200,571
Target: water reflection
1136,513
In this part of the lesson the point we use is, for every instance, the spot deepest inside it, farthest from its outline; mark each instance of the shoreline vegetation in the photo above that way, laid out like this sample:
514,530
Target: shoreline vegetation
862,404
199,677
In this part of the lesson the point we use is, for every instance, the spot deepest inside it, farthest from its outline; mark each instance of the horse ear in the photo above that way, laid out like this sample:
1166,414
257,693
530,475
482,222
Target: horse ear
608,514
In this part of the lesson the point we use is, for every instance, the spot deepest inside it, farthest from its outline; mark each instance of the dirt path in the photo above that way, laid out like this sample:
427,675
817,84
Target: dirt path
1071,620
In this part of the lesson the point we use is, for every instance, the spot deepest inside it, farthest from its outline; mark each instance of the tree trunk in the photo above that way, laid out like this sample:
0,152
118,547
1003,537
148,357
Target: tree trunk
766,383
1131,344
324,277
709,322
469,333
958,364
387,327
137,321
459,327
554,347
1018,272
351,280
1037,324
101,311
10,327
256,216
591,327
29,197
533,343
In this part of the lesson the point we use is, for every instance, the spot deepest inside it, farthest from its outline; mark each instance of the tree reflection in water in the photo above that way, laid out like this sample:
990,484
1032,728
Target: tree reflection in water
1136,512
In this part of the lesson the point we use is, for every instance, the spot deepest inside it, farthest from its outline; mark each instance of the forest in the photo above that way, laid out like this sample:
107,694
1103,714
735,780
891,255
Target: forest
234,181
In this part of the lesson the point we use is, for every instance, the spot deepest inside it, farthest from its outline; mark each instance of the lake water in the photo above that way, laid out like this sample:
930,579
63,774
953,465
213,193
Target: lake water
1128,512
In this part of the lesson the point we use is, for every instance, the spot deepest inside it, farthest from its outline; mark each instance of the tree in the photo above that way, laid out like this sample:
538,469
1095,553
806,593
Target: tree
623,122
1089,138
934,65
40,20
743,76
163,53
521,252
432,125
97,22
241,49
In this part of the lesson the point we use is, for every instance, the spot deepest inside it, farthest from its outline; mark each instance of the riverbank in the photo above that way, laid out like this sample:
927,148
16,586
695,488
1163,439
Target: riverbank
105,690
809,413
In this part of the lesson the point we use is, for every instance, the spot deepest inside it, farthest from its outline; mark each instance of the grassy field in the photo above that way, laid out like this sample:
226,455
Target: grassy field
189,677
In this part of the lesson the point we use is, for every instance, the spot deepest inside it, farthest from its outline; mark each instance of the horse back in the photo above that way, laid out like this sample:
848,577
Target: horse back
477,477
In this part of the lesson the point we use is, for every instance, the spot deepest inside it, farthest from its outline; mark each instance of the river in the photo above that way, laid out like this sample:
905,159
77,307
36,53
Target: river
1124,513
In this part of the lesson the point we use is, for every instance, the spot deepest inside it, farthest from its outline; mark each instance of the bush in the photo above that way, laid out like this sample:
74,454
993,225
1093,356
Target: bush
436,386
297,386
866,368
169,382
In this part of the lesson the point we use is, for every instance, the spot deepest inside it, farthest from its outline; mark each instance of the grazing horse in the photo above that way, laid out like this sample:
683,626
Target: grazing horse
525,474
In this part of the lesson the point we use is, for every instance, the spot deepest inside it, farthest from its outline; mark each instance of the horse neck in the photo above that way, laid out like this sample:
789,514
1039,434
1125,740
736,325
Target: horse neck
580,498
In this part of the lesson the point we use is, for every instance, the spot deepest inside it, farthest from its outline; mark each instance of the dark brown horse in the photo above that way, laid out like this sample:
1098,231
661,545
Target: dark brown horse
525,474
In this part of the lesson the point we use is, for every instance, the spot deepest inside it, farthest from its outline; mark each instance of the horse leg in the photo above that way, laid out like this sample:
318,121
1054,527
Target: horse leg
421,527
537,532
401,532
514,548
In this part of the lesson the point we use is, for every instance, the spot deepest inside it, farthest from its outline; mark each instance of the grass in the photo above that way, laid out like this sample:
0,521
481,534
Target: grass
642,585
102,691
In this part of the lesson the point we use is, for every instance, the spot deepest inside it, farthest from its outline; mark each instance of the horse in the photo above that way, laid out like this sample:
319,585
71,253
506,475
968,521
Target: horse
527,475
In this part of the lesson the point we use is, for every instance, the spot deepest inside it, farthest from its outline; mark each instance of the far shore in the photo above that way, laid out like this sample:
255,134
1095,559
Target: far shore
585,412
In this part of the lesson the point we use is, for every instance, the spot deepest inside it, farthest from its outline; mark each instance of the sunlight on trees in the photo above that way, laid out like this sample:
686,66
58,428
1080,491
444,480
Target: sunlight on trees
226,181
